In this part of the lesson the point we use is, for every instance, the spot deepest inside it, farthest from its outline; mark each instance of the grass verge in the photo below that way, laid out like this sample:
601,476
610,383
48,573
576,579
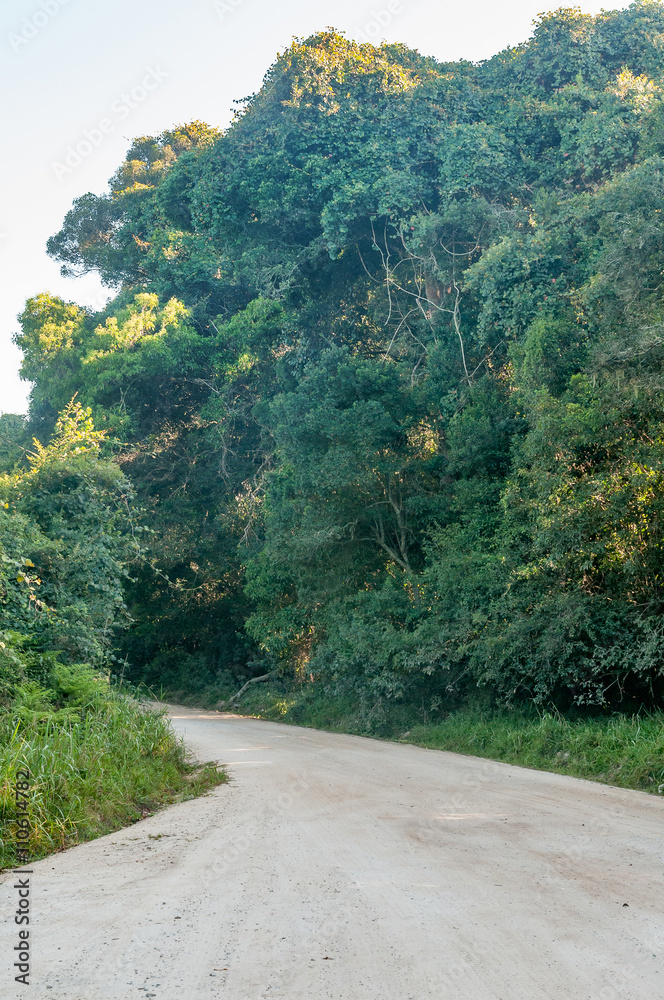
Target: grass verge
627,751
92,773
622,750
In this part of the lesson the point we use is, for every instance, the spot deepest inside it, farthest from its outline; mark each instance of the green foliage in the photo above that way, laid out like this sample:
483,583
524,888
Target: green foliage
384,373
14,441
108,233
65,542
90,775
627,751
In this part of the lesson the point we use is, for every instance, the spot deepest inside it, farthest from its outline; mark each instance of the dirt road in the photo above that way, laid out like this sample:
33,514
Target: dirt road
338,867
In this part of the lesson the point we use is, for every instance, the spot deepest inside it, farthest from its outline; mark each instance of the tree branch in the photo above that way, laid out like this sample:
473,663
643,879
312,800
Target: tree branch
236,697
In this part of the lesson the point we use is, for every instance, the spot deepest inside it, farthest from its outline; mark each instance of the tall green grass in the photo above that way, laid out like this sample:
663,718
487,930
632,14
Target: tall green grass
622,750
92,774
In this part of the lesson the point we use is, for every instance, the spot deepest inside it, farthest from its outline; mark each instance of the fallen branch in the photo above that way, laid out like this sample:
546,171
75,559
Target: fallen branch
236,697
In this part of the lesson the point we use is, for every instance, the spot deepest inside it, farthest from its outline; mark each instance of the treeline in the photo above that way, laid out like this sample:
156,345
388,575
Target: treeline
383,369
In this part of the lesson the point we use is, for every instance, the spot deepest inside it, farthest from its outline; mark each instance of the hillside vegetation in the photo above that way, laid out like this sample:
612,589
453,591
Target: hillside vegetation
378,396
78,757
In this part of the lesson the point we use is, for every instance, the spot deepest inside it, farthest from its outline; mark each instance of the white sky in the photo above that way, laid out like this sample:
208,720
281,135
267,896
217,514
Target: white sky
65,65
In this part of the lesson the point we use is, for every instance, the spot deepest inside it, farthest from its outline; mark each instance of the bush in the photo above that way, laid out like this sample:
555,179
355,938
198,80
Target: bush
92,772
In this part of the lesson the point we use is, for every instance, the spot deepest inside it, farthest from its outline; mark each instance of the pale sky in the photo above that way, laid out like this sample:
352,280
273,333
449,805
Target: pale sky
66,65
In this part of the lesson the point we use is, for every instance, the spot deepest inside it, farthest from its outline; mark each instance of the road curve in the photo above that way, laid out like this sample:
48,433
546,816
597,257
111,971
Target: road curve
340,867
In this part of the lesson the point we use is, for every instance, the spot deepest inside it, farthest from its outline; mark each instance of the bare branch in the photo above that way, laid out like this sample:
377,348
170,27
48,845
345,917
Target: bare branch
236,697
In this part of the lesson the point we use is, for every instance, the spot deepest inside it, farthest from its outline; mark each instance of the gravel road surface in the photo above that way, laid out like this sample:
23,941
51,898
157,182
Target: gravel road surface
340,867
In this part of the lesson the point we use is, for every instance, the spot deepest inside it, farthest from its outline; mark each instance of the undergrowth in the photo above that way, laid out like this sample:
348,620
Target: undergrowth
98,760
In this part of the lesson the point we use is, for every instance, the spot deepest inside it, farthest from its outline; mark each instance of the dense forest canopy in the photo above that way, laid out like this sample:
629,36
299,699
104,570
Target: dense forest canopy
378,398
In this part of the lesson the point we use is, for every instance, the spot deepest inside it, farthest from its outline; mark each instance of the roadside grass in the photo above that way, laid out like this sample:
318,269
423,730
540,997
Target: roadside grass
622,750
627,751
92,773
